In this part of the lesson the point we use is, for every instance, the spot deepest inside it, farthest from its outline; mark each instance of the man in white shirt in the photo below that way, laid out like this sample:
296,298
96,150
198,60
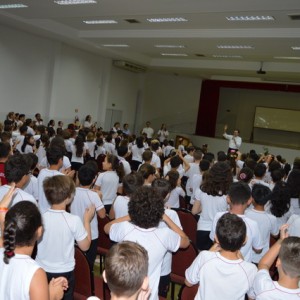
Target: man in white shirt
148,130
235,141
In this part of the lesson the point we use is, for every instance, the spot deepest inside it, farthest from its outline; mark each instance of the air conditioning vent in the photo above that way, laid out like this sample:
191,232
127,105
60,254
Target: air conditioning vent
129,66
132,21
294,17
200,55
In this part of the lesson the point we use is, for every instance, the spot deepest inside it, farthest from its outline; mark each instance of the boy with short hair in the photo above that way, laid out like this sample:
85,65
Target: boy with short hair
267,222
126,268
61,229
146,210
83,198
221,272
288,264
239,198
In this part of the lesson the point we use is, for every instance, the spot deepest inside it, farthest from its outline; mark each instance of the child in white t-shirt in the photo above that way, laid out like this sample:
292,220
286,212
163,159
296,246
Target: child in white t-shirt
222,273
288,264
61,229
176,189
267,222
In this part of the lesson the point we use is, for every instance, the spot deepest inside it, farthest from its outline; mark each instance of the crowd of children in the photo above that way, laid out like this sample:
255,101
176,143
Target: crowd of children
56,183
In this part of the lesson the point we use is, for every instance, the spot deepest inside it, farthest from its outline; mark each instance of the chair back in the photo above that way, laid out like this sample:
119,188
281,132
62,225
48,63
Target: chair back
84,279
188,223
104,243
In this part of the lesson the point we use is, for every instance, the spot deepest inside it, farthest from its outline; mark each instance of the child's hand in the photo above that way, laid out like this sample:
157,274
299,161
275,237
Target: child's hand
284,232
89,212
57,286
6,200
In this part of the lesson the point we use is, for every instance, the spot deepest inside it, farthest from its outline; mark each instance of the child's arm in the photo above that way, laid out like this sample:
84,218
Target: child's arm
196,207
185,163
119,220
84,245
269,258
112,212
184,241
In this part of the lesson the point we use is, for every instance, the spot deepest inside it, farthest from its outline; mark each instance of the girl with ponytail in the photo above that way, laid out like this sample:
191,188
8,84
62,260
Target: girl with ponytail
20,276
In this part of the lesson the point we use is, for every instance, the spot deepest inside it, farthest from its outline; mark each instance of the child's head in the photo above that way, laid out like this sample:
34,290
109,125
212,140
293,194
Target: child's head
122,151
5,150
280,199
163,187
146,207
147,155
277,175
16,169
90,136
204,165
245,175
231,232
261,194
239,193
197,154
221,156
32,160
112,163
148,172
260,170
289,257
58,189
86,175
22,222
173,177
131,182
175,162
54,155
126,269
154,145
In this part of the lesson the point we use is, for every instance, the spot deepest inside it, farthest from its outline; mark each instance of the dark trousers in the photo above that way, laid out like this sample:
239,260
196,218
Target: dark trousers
203,240
92,253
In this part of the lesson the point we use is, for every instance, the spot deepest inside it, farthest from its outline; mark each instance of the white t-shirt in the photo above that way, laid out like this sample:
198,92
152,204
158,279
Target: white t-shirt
108,183
66,163
149,131
234,142
91,148
19,195
173,200
294,225
15,277
40,153
137,153
210,206
267,226
193,170
167,150
43,202
56,248
189,159
20,141
155,161
110,148
221,278
32,187
75,158
68,145
162,135
82,200
196,182
157,241
283,219
99,150
126,165
267,289
121,206
253,235
296,206
258,181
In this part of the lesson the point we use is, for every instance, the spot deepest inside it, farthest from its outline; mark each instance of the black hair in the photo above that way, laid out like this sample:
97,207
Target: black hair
146,207
250,163
79,144
239,193
204,165
26,141
116,165
274,165
260,170
280,200
209,156
122,150
231,232
54,154
86,175
163,186
146,170
15,168
175,162
21,224
32,160
245,175
277,175
173,177
5,149
154,145
131,182
221,156
147,155
139,142
261,194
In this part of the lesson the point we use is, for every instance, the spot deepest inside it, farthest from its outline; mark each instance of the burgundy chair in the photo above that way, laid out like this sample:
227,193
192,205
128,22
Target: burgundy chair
188,293
181,260
104,243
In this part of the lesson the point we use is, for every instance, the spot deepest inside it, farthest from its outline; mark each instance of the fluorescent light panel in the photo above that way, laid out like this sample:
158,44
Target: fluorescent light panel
74,2
250,18
169,46
174,54
92,22
10,6
164,20
287,57
227,56
116,45
235,47
296,48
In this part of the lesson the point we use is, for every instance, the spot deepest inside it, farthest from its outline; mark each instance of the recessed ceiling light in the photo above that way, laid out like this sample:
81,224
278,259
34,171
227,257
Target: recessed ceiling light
74,2
169,46
9,6
174,54
296,48
227,56
250,18
235,47
92,22
163,20
116,45
287,57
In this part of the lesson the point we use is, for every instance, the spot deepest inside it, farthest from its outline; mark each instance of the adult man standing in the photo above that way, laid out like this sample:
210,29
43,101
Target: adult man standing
235,140
148,130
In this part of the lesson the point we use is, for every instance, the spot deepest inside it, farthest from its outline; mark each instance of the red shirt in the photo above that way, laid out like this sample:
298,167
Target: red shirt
2,176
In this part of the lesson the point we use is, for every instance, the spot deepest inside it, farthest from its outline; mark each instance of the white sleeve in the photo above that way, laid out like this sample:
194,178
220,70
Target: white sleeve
66,162
262,282
80,232
192,273
99,180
